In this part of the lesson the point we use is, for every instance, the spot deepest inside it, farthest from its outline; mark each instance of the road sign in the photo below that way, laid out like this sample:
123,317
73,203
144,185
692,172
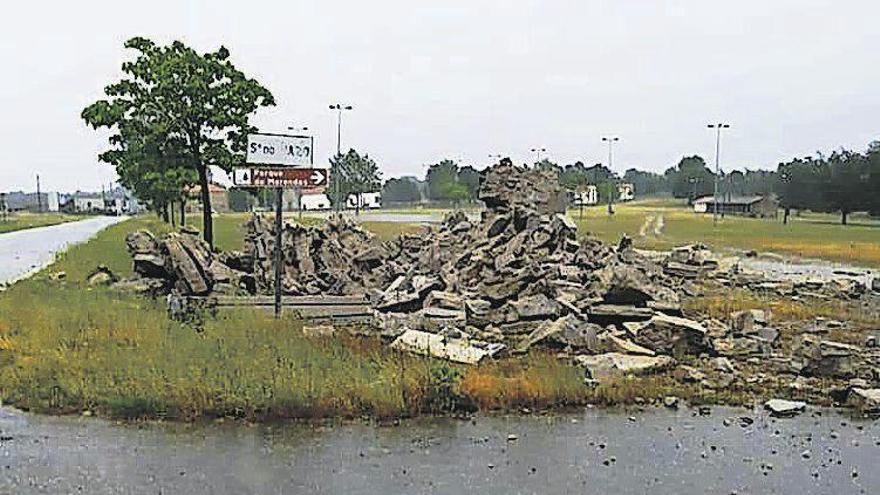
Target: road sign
280,150
280,177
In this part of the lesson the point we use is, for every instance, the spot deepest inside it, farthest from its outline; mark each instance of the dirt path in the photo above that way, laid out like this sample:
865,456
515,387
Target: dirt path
643,230
658,226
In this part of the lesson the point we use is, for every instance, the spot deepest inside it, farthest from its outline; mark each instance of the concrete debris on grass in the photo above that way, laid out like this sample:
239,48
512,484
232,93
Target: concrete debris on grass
516,279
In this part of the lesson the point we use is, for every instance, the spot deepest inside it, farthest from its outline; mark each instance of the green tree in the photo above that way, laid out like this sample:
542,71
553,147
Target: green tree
872,171
401,190
691,178
352,174
470,177
646,183
440,178
172,93
847,190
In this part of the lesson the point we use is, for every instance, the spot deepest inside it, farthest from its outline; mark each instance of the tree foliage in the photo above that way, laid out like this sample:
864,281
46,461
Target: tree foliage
691,178
401,190
176,106
352,174
447,182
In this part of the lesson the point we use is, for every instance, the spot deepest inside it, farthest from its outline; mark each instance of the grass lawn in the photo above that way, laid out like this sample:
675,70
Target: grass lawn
66,348
809,235
21,221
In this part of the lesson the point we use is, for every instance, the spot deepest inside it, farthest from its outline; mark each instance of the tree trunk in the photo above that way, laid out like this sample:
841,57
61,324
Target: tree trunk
183,211
207,226
357,207
173,214
164,210
843,215
785,215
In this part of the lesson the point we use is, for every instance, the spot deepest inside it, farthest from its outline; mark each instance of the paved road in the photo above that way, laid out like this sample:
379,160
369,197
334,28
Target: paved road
654,452
24,252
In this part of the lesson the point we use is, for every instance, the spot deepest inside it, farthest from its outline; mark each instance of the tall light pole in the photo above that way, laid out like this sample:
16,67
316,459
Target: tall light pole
718,128
613,185
339,108
537,152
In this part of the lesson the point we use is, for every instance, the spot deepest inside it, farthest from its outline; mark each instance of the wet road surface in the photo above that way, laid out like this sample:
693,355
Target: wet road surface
25,251
593,451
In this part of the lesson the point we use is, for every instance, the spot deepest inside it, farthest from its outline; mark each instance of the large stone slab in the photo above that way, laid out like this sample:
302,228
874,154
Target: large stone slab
612,364
435,345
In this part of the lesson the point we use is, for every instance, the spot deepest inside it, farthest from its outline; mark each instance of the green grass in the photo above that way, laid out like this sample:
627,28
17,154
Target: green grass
66,348
810,235
21,221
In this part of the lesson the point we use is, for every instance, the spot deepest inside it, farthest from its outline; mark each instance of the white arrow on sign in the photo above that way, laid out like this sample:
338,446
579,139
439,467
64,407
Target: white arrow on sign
318,177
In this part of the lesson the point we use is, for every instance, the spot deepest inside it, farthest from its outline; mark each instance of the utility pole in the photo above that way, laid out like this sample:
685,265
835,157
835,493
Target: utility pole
39,198
612,188
718,128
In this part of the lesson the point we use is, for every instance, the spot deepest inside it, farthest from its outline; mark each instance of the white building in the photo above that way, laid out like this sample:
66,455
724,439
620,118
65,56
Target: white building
626,191
368,201
312,202
587,197
88,202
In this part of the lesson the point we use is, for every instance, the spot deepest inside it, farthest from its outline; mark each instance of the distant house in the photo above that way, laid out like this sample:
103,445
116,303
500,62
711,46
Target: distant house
218,194
625,191
33,202
368,201
119,201
86,202
315,202
753,206
588,196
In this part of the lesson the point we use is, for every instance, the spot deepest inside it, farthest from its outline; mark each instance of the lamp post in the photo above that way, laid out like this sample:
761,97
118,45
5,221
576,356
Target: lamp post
718,128
537,152
339,108
611,140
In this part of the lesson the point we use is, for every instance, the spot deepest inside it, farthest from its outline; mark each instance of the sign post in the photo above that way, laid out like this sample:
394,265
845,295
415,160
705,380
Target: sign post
277,161
279,193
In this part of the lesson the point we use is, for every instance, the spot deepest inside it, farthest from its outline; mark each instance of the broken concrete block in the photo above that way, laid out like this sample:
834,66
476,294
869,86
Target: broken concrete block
673,335
431,344
784,408
612,364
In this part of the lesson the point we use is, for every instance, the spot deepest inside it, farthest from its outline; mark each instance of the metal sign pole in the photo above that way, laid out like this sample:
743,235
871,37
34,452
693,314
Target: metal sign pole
278,226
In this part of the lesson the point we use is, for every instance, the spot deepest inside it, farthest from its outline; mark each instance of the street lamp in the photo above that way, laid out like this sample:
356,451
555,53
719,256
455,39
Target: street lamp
537,152
339,108
718,128
611,140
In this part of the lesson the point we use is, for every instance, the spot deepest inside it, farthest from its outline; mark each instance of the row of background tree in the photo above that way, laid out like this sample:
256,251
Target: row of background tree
844,181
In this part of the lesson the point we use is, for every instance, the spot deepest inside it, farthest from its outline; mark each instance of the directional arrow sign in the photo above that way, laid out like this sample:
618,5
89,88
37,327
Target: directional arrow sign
280,177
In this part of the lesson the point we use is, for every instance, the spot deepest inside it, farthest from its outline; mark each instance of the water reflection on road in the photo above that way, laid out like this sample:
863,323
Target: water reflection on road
593,451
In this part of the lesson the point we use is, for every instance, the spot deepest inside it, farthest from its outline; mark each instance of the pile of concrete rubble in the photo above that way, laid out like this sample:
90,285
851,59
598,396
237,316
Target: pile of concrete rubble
516,278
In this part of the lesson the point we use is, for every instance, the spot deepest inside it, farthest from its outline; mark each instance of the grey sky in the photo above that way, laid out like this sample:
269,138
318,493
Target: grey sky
464,79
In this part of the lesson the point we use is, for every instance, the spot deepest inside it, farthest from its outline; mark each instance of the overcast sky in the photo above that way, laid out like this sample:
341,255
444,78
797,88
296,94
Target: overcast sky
465,79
